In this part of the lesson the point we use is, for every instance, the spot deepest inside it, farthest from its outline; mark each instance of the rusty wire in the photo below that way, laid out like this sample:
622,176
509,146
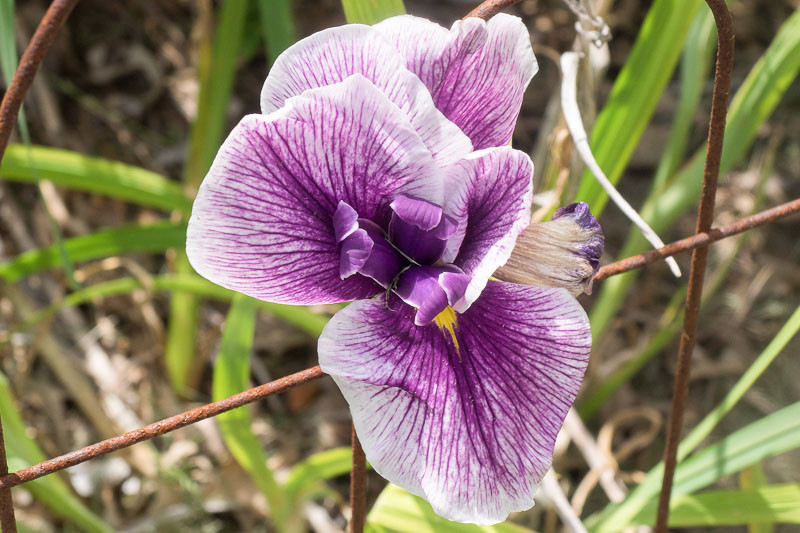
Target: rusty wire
159,428
252,395
490,8
716,132
29,63
32,57
8,523
698,240
358,486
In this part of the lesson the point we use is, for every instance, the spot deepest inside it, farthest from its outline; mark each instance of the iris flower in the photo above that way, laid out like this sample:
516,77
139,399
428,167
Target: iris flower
380,172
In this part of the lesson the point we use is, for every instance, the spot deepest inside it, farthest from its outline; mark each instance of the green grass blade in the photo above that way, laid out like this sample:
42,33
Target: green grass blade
277,25
755,100
671,320
696,63
8,63
301,317
93,174
635,94
371,11
52,491
125,239
770,504
306,476
649,488
216,73
231,376
752,479
216,70
397,511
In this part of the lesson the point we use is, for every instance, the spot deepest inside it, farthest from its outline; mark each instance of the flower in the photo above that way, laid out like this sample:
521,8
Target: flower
380,171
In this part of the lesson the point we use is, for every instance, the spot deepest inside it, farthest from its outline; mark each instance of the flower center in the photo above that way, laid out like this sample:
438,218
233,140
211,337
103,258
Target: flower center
405,259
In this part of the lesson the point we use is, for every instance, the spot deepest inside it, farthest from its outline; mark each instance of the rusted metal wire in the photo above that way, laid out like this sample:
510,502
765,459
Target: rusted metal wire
159,428
716,132
490,8
29,63
8,523
283,384
43,38
696,241
358,487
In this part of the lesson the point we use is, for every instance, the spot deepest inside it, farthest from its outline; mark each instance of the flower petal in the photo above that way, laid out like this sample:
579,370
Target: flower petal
469,426
262,223
332,55
490,194
419,229
430,289
476,72
564,252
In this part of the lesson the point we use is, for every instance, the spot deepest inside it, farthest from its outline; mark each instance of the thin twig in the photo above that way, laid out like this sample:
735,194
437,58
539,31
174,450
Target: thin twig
358,487
701,239
572,115
597,460
716,132
553,491
490,8
159,428
29,63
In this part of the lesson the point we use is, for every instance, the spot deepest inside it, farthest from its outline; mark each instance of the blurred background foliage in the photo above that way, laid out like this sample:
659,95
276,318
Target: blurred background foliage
105,327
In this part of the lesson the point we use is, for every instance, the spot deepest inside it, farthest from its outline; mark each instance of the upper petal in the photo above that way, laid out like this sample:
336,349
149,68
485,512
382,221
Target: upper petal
263,221
332,55
490,194
466,417
564,252
476,72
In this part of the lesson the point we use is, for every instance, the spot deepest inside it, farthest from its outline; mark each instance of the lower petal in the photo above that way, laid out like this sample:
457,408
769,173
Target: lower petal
465,411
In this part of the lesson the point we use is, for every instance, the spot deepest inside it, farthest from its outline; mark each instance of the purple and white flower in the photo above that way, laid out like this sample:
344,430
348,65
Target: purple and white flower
380,172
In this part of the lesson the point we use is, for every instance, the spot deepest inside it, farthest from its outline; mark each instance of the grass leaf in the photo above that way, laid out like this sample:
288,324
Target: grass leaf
277,25
371,11
770,504
397,511
771,435
301,317
93,174
755,100
215,71
51,490
110,241
635,94
231,376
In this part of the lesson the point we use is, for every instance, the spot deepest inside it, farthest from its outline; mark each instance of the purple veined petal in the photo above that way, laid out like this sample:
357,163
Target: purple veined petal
476,72
467,419
489,194
419,229
421,213
454,282
332,55
356,248
345,221
564,252
430,289
383,263
262,223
